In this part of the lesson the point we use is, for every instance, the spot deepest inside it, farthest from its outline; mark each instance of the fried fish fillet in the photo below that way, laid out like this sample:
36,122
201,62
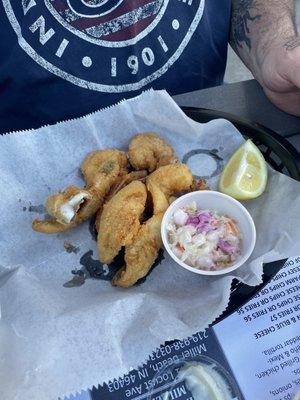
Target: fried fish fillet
141,253
102,167
120,220
120,183
149,151
166,181
74,205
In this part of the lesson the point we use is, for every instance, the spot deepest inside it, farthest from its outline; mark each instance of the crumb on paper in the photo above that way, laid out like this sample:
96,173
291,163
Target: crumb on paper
40,209
70,248
201,184
77,280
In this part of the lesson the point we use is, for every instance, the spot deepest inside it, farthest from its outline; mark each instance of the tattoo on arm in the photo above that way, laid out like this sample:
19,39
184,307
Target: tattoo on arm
292,44
243,11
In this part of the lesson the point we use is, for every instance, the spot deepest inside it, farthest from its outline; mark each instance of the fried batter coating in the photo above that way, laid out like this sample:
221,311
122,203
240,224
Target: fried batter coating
149,151
159,200
166,181
101,168
141,254
124,180
50,226
63,206
201,184
121,182
120,220
74,205
69,209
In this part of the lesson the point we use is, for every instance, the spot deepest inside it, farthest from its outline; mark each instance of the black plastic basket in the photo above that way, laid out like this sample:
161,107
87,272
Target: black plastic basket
278,152
281,156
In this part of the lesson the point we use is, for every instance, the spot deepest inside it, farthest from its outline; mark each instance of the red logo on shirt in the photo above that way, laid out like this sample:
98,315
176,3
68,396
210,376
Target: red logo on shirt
111,46
113,20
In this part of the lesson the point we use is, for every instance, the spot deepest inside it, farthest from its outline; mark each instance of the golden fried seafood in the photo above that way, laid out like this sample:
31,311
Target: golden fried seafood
200,184
63,206
120,220
124,180
121,182
166,181
122,202
149,151
74,205
69,208
50,226
101,168
141,254
159,200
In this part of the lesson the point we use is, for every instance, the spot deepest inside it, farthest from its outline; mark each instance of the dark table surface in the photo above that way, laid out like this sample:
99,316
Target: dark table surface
245,99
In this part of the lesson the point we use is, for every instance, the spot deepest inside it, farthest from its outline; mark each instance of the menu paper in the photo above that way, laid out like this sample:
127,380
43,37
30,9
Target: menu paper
85,330
139,383
266,358
259,346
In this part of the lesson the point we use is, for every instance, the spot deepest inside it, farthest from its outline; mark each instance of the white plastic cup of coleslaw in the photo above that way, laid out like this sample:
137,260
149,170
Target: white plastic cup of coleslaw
222,204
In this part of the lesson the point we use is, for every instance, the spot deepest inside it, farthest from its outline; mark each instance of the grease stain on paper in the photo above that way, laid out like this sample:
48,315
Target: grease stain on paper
94,269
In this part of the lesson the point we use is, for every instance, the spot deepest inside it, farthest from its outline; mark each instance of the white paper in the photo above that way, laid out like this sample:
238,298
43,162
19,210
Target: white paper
56,340
266,360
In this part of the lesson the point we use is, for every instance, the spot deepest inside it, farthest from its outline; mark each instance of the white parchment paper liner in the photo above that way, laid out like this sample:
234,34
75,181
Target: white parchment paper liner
56,340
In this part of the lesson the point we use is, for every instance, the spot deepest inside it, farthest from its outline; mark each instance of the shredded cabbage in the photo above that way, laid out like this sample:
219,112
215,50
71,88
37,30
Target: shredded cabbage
204,239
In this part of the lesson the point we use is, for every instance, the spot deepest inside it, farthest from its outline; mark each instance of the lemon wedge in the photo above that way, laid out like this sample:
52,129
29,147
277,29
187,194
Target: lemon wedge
246,174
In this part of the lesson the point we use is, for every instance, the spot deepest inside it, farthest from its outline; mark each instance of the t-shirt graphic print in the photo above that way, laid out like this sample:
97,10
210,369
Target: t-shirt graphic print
113,49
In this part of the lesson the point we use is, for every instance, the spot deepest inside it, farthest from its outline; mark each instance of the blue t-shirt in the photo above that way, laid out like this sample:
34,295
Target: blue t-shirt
61,59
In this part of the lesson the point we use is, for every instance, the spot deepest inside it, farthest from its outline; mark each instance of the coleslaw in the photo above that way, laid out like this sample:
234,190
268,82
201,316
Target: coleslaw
204,239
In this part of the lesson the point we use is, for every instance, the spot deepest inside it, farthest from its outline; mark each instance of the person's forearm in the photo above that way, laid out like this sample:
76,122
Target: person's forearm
256,25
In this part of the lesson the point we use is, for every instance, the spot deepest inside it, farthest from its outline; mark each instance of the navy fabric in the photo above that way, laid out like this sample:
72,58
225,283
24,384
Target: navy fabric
54,65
